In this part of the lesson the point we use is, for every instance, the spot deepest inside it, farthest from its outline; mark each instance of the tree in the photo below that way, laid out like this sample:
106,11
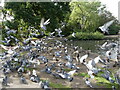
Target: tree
84,16
32,12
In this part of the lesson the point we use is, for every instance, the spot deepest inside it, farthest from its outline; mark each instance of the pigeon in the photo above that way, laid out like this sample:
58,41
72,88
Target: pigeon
73,34
5,81
83,59
104,28
23,80
90,73
43,24
88,83
117,78
113,88
35,78
71,73
44,85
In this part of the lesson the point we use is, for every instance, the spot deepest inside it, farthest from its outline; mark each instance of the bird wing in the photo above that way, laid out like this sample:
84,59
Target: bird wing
15,47
71,72
47,22
33,42
106,25
4,47
104,44
42,22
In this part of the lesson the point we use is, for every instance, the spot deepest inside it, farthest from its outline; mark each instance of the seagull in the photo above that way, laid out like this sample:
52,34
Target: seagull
104,28
43,24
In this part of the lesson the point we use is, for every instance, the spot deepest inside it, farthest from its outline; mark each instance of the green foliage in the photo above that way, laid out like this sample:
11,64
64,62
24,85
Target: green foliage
32,12
84,16
81,17
87,36
114,28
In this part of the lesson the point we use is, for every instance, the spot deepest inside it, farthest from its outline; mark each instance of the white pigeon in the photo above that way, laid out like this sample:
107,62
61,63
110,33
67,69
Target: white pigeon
43,24
34,73
83,58
104,28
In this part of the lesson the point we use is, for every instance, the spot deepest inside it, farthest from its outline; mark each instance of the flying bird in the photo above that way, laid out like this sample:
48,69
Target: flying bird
73,34
10,50
104,28
43,24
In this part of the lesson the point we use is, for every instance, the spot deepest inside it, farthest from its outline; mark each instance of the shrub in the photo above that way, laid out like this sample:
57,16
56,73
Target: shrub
87,36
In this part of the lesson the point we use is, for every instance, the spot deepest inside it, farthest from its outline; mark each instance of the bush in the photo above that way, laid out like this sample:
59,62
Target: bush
87,36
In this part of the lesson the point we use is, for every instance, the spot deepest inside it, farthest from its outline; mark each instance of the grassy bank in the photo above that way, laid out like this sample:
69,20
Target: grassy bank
87,36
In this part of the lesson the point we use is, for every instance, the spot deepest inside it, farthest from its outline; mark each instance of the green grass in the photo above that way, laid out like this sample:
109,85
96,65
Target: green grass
56,85
103,82
67,69
82,75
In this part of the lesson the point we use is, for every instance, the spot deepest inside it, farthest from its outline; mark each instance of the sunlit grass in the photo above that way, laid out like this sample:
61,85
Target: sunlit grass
82,75
57,85
105,83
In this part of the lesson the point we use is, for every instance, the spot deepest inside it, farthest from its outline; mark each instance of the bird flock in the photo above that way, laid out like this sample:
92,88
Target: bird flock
52,56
